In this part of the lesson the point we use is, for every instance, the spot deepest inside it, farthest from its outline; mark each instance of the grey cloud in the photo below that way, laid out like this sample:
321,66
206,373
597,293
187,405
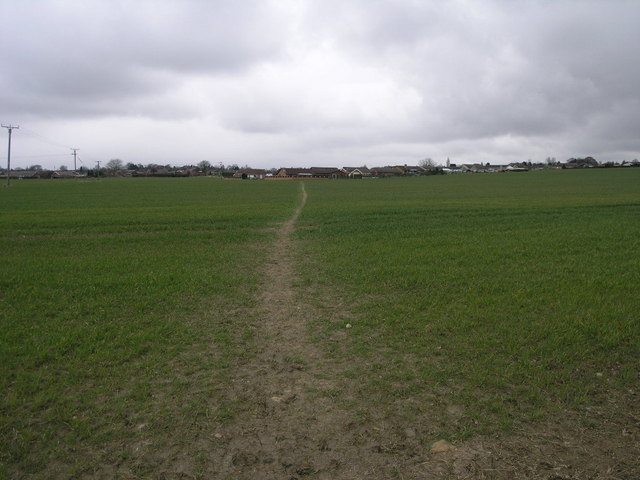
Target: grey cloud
492,68
75,59
337,75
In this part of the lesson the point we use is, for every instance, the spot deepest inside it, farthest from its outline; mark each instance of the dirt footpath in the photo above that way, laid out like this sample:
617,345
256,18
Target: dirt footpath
294,423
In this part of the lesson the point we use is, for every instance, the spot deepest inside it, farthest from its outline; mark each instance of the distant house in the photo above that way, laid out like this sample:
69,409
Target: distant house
66,174
357,172
161,172
481,168
386,171
470,167
313,172
250,174
294,173
588,162
411,169
327,172
25,174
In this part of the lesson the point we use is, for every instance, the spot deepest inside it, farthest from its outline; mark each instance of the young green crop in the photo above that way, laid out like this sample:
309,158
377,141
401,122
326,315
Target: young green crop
476,301
510,296
125,303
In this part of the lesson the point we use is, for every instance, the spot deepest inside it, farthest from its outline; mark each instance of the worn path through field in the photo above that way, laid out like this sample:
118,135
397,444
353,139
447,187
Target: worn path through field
289,421
301,416
294,422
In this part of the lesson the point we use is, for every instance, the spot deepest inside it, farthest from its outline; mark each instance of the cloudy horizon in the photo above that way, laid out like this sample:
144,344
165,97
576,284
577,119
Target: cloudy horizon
283,83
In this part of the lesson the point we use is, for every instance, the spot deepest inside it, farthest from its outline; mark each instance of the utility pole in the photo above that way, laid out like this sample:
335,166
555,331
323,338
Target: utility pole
10,128
98,162
75,168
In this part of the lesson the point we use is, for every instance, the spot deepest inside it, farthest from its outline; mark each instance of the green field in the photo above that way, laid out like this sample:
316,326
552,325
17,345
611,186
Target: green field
129,302
120,308
515,296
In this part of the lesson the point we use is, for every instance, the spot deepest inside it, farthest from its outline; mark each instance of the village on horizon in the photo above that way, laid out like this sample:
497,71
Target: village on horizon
117,168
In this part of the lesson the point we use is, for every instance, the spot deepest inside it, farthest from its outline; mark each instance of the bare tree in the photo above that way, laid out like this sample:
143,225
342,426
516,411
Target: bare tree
428,164
114,164
204,165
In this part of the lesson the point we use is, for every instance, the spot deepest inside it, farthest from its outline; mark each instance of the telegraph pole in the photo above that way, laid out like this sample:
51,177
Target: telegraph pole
9,128
75,168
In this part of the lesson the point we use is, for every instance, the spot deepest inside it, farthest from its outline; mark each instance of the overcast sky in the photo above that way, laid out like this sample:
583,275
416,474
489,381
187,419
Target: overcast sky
286,83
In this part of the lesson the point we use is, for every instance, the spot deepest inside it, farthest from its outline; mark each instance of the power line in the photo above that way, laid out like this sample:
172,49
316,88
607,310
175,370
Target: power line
37,136
42,155
42,138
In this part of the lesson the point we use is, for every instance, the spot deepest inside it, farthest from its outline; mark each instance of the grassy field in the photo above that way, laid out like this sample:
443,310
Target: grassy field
488,300
122,312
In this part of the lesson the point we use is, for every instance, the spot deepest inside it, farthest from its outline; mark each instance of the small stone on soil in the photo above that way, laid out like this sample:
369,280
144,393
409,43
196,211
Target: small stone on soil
441,446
